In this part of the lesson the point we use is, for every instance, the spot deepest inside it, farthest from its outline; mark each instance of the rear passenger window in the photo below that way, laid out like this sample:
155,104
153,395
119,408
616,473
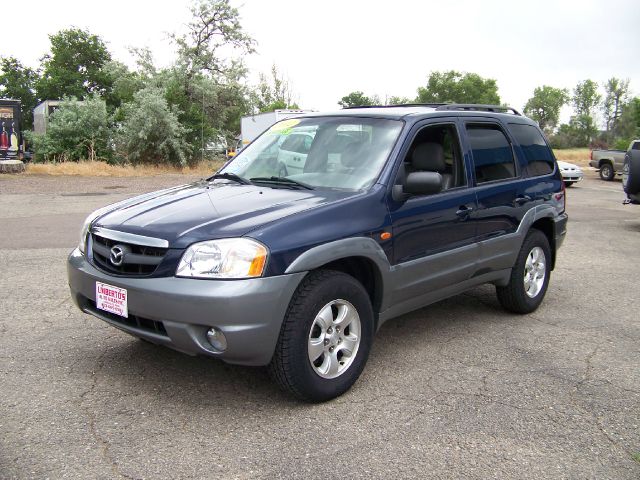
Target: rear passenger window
537,154
492,154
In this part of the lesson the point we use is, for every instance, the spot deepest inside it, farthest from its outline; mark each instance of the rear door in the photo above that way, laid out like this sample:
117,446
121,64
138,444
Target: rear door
501,191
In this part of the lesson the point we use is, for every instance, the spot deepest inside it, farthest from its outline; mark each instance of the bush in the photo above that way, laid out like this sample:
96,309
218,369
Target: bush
150,131
599,144
77,130
622,143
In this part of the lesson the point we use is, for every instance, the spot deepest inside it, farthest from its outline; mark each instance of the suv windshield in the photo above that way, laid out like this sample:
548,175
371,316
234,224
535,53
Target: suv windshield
333,152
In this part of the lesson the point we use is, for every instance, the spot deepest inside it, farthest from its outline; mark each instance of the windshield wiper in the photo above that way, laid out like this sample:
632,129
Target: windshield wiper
281,181
230,176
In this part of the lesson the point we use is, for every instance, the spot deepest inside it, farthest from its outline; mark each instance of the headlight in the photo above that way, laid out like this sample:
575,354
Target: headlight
225,258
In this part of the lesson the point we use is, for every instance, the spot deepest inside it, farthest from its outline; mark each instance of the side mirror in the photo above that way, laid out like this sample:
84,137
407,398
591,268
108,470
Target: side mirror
423,183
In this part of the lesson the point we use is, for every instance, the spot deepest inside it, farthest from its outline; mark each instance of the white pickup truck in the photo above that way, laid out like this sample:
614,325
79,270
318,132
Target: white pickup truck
610,162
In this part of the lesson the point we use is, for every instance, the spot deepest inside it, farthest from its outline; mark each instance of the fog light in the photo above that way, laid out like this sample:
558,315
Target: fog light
217,339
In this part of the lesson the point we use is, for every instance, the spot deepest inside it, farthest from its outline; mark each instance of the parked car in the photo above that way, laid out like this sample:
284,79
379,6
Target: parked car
218,146
610,162
292,154
570,173
414,205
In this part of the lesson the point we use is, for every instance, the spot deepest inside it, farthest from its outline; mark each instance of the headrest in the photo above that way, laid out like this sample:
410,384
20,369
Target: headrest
428,156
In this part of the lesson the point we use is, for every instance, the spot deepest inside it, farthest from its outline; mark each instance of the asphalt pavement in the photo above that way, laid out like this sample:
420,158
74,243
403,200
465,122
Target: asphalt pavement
460,389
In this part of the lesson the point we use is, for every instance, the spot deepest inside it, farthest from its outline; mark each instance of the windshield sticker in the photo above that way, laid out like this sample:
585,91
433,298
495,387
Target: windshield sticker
284,127
238,164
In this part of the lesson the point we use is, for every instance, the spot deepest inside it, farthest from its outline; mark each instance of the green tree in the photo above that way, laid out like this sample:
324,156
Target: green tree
124,84
151,132
77,130
74,68
544,107
273,93
215,26
582,126
456,87
358,99
586,98
204,85
396,100
628,125
578,133
18,81
616,95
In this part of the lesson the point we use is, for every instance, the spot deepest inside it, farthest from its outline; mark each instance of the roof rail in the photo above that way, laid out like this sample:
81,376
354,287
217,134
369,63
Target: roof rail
434,105
478,107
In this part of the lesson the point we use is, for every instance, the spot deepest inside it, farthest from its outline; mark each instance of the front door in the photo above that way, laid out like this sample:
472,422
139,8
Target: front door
433,235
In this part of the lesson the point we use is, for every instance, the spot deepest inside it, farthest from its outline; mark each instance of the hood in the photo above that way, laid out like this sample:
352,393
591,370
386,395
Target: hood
567,166
205,210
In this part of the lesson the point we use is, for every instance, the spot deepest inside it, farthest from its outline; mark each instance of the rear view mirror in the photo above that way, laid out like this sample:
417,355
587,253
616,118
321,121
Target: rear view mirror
423,183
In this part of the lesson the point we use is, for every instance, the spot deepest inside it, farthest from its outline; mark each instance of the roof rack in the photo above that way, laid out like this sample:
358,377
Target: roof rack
478,107
434,105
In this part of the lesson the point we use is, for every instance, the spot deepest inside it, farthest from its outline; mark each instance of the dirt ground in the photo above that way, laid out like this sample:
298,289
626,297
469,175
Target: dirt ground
460,389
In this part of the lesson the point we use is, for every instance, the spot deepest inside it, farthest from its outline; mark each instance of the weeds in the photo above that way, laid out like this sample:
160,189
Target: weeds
103,169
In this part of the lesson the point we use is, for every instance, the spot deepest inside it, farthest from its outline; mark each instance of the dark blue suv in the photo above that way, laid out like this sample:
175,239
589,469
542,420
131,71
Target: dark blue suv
322,229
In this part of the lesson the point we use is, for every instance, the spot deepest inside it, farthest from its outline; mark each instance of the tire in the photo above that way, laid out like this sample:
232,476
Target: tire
631,172
568,184
307,331
607,172
516,297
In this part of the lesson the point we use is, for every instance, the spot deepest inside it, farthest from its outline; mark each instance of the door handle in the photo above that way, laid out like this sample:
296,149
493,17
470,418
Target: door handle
464,211
522,200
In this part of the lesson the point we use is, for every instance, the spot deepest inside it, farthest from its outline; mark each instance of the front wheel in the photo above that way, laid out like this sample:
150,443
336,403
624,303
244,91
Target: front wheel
529,276
325,338
568,184
606,172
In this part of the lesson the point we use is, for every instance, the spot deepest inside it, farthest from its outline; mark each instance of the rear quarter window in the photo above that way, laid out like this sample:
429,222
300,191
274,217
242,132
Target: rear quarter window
537,154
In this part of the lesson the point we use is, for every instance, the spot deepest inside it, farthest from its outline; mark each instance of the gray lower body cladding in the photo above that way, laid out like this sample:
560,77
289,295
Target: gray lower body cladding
177,312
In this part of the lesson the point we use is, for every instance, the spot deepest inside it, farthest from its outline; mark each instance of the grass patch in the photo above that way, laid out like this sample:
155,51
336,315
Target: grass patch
103,169
578,156
636,456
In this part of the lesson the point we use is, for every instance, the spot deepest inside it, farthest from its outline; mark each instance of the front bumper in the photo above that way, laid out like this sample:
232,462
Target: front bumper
177,312
572,177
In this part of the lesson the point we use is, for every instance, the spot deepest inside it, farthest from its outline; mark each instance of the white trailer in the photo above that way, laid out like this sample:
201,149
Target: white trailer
253,125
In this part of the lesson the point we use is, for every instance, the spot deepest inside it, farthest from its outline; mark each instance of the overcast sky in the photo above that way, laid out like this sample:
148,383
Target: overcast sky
329,48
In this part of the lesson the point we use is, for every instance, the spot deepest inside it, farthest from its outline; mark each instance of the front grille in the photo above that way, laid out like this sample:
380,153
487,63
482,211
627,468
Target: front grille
133,321
136,259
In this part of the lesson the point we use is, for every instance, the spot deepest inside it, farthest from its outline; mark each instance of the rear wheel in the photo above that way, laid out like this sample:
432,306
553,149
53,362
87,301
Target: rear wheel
325,338
606,172
529,277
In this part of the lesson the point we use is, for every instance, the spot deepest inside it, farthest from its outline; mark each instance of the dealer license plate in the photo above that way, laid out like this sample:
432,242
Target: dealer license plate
112,299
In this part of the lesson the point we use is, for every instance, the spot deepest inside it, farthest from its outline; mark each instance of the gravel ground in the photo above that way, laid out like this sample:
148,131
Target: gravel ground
460,389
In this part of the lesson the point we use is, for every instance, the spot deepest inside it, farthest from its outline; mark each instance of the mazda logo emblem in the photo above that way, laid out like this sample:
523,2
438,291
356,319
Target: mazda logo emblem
117,255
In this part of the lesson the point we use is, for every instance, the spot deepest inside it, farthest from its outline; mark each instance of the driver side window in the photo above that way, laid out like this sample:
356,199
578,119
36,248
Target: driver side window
436,148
